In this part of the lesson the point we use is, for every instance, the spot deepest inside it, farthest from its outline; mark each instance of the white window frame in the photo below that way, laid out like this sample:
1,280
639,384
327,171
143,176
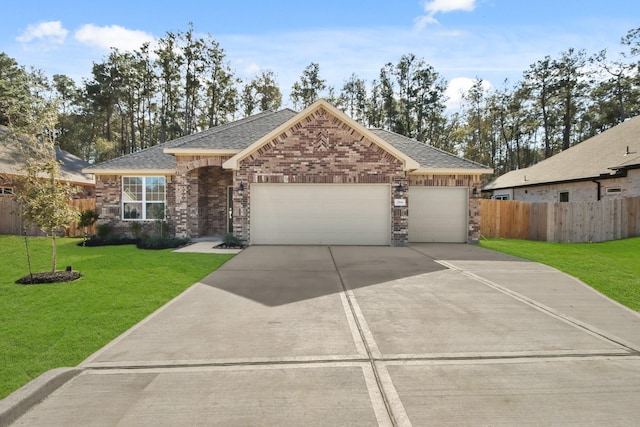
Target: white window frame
6,191
143,202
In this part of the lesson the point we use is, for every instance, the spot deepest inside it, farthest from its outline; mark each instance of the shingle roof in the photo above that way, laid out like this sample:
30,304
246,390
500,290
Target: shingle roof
618,147
240,134
70,166
426,155
152,158
234,135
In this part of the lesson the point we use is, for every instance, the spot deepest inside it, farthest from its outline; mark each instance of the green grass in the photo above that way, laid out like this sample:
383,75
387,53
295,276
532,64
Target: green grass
55,325
612,268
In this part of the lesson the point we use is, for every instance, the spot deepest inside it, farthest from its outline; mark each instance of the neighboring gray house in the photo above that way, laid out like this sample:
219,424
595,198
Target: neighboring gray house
314,177
604,166
70,168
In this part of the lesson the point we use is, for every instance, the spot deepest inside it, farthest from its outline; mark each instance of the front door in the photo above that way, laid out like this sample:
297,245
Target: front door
230,210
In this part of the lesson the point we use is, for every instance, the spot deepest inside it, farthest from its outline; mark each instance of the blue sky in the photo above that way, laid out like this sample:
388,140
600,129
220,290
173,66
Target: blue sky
461,39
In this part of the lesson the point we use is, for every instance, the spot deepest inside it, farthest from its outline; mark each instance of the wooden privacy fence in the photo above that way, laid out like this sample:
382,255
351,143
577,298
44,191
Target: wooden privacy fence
561,222
11,222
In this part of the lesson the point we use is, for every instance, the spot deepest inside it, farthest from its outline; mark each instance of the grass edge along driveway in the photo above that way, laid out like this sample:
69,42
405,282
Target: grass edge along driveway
612,268
56,325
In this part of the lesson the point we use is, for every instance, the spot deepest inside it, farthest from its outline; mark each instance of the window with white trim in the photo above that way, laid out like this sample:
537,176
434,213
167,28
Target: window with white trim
143,197
6,191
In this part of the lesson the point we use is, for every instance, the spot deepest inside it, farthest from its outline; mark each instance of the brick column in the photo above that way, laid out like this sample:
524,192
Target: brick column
474,210
241,205
400,214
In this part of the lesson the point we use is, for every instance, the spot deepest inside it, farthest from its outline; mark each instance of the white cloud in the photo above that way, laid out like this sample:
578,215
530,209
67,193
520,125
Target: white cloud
442,6
458,87
112,36
251,68
47,32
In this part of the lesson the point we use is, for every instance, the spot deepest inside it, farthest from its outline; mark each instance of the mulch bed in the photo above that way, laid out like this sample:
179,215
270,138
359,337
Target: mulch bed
225,246
49,277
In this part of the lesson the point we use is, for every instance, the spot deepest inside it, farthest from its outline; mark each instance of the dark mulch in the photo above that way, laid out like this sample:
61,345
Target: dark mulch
226,246
49,277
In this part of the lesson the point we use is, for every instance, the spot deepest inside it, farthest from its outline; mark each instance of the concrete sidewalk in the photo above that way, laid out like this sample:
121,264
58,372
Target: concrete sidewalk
432,334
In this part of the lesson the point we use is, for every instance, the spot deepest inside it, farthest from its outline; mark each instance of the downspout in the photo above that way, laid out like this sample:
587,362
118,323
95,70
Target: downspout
599,184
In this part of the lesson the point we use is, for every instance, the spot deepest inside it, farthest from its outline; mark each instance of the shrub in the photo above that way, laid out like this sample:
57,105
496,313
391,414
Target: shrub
104,231
231,241
157,242
135,228
111,240
87,219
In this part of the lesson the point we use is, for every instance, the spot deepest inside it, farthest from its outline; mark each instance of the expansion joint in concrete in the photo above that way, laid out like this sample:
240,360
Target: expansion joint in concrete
367,345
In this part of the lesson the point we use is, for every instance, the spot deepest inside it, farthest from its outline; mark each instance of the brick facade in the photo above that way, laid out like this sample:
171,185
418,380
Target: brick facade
200,207
109,203
320,149
109,206
584,191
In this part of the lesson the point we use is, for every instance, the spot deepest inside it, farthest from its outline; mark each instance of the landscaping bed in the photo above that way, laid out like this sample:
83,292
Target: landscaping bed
49,277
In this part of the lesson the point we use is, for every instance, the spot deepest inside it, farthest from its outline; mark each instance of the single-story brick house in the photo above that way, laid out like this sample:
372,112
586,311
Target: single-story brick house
602,167
313,177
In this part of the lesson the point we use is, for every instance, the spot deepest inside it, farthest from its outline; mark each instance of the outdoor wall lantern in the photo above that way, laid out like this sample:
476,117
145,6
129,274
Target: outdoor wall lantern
475,193
399,189
241,188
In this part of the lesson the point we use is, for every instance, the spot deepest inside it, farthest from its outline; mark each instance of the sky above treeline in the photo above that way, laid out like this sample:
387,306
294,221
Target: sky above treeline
462,39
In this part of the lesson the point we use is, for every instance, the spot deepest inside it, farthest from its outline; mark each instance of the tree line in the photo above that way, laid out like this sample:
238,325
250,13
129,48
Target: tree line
134,100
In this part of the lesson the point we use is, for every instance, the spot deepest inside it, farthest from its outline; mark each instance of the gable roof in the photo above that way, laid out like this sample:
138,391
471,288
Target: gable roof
71,167
431,159
231,137
598,157
228,139
233,163
242,137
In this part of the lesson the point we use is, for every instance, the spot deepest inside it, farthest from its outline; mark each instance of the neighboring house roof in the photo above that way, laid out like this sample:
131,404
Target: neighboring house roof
244,136
599,157
71,167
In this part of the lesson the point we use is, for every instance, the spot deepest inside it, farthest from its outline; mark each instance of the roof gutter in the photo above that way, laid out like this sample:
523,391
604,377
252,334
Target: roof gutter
136,172
201,151
599,190
451,171
621,173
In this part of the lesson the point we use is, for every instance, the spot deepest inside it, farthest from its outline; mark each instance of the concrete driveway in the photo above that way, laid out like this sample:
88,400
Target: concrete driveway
434,334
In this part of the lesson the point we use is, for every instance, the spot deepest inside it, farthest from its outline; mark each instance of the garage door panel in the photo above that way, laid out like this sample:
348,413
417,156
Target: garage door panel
438,214
320,214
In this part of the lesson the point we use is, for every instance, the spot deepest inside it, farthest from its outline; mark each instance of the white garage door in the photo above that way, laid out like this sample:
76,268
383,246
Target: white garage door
438,214
320,214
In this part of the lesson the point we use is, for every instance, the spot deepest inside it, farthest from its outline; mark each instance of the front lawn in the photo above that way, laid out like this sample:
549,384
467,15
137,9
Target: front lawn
613,268
54,325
